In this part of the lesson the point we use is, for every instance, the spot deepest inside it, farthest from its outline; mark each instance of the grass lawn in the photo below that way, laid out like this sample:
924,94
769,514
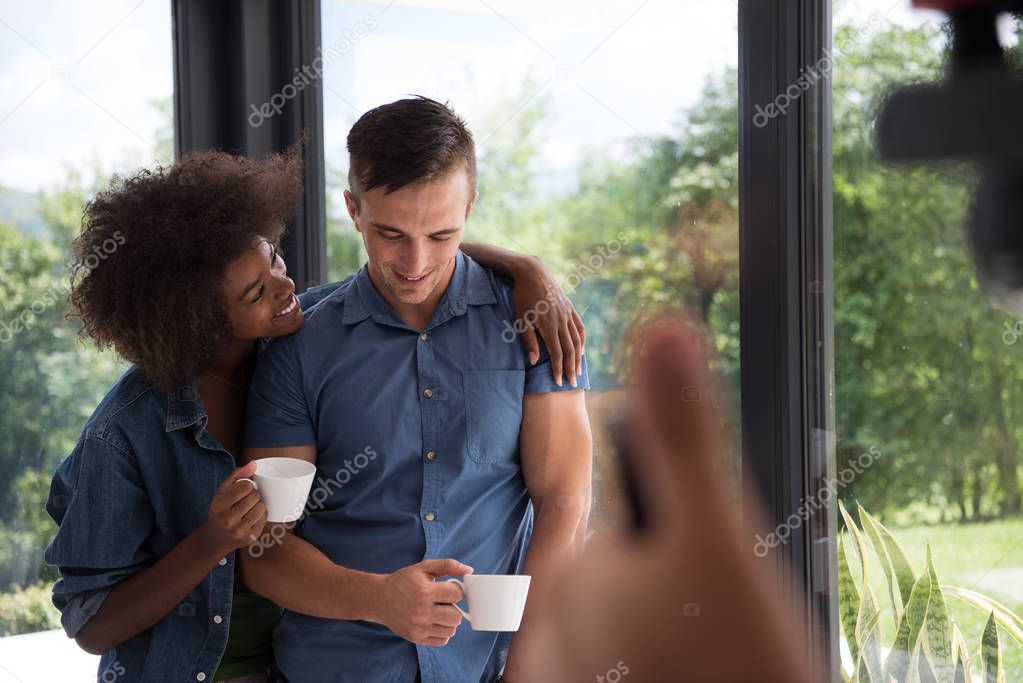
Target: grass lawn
985,557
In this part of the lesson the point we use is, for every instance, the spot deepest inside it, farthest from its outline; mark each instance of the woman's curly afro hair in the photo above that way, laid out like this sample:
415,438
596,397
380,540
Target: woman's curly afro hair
148,266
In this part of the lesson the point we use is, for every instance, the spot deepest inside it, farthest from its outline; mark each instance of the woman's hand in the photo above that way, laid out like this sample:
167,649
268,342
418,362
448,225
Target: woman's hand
541,305
237,513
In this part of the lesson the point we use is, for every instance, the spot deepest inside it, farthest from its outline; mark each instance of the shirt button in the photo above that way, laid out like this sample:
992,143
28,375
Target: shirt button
424,336
200,676
217,619
431,456
427,393
222,561
430,516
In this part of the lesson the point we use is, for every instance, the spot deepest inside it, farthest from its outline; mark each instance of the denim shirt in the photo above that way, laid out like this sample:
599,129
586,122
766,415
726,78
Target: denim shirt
139,480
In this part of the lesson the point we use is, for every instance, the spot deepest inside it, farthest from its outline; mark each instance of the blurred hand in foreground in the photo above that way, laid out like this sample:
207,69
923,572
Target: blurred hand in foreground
686,600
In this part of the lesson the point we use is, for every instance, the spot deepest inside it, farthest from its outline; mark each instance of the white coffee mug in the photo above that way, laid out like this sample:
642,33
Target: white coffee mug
284,484
495,601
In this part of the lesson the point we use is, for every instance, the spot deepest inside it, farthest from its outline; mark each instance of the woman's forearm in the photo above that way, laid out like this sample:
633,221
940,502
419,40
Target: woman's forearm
502,261
143,599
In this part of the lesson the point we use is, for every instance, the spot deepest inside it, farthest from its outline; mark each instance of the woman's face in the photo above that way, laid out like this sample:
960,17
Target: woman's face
259,297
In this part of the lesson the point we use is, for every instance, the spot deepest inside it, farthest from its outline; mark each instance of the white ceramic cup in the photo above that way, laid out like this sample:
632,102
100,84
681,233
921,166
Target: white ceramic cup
284,484
495,601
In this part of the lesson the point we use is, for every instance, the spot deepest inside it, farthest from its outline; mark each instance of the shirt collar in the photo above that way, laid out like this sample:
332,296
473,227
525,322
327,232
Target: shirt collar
470,286
184,407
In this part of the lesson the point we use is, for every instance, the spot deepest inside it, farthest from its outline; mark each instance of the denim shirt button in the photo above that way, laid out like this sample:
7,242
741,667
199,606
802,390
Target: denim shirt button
200,676
217,619
222,561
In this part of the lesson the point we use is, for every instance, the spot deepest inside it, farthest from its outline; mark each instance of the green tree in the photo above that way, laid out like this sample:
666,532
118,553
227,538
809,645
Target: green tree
921,368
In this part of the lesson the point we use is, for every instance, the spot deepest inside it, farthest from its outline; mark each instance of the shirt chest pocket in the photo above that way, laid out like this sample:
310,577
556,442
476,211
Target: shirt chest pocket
493,413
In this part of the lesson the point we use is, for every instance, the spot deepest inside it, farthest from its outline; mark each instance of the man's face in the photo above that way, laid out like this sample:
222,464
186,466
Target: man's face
412,236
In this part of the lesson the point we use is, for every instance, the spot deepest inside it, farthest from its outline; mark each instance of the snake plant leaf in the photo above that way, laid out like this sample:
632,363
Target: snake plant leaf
1004,616
901,566
867,635
936,631
861,547
870,668
848,600
924,672
991,653
962,657
902,658
886,562
915,659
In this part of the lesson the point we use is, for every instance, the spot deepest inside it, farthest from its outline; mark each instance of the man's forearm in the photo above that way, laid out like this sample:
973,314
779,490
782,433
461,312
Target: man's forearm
558,535
299,577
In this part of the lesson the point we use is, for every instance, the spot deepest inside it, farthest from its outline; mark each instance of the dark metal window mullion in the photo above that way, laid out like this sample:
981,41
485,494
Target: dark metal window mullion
230,58
786,297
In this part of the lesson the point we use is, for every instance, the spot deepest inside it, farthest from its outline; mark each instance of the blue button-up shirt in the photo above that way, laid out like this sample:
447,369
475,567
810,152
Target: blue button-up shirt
417,458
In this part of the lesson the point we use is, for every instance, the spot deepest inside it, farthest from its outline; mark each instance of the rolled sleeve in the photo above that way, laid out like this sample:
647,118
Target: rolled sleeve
105,518
276,413
540,377
80,608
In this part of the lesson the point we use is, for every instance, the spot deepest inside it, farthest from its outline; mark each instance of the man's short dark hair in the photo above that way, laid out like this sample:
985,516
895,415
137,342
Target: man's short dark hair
411,141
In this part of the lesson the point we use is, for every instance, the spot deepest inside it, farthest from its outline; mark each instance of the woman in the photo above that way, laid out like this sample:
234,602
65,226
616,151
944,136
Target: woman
148,506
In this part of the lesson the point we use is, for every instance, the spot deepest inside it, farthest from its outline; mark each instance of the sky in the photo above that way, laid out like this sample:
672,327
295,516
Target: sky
79,81
607,71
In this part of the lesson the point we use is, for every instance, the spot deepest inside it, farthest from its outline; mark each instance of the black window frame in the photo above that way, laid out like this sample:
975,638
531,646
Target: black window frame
786,300
231,56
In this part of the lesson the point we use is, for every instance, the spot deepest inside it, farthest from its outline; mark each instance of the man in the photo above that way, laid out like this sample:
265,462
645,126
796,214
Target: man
440,448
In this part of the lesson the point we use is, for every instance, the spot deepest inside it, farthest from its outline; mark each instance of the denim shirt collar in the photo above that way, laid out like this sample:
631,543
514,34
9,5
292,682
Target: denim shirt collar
184,408
470,286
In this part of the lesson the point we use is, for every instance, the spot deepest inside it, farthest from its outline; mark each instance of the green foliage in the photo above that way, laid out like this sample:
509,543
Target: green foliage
50,384
27,610
921,366
345,253
928,645
510,210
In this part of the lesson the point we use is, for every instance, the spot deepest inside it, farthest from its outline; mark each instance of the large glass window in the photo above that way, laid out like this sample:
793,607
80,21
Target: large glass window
607,144
86,92
928,373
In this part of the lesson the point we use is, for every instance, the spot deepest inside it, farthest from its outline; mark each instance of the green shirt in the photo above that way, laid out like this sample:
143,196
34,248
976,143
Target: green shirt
250,634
